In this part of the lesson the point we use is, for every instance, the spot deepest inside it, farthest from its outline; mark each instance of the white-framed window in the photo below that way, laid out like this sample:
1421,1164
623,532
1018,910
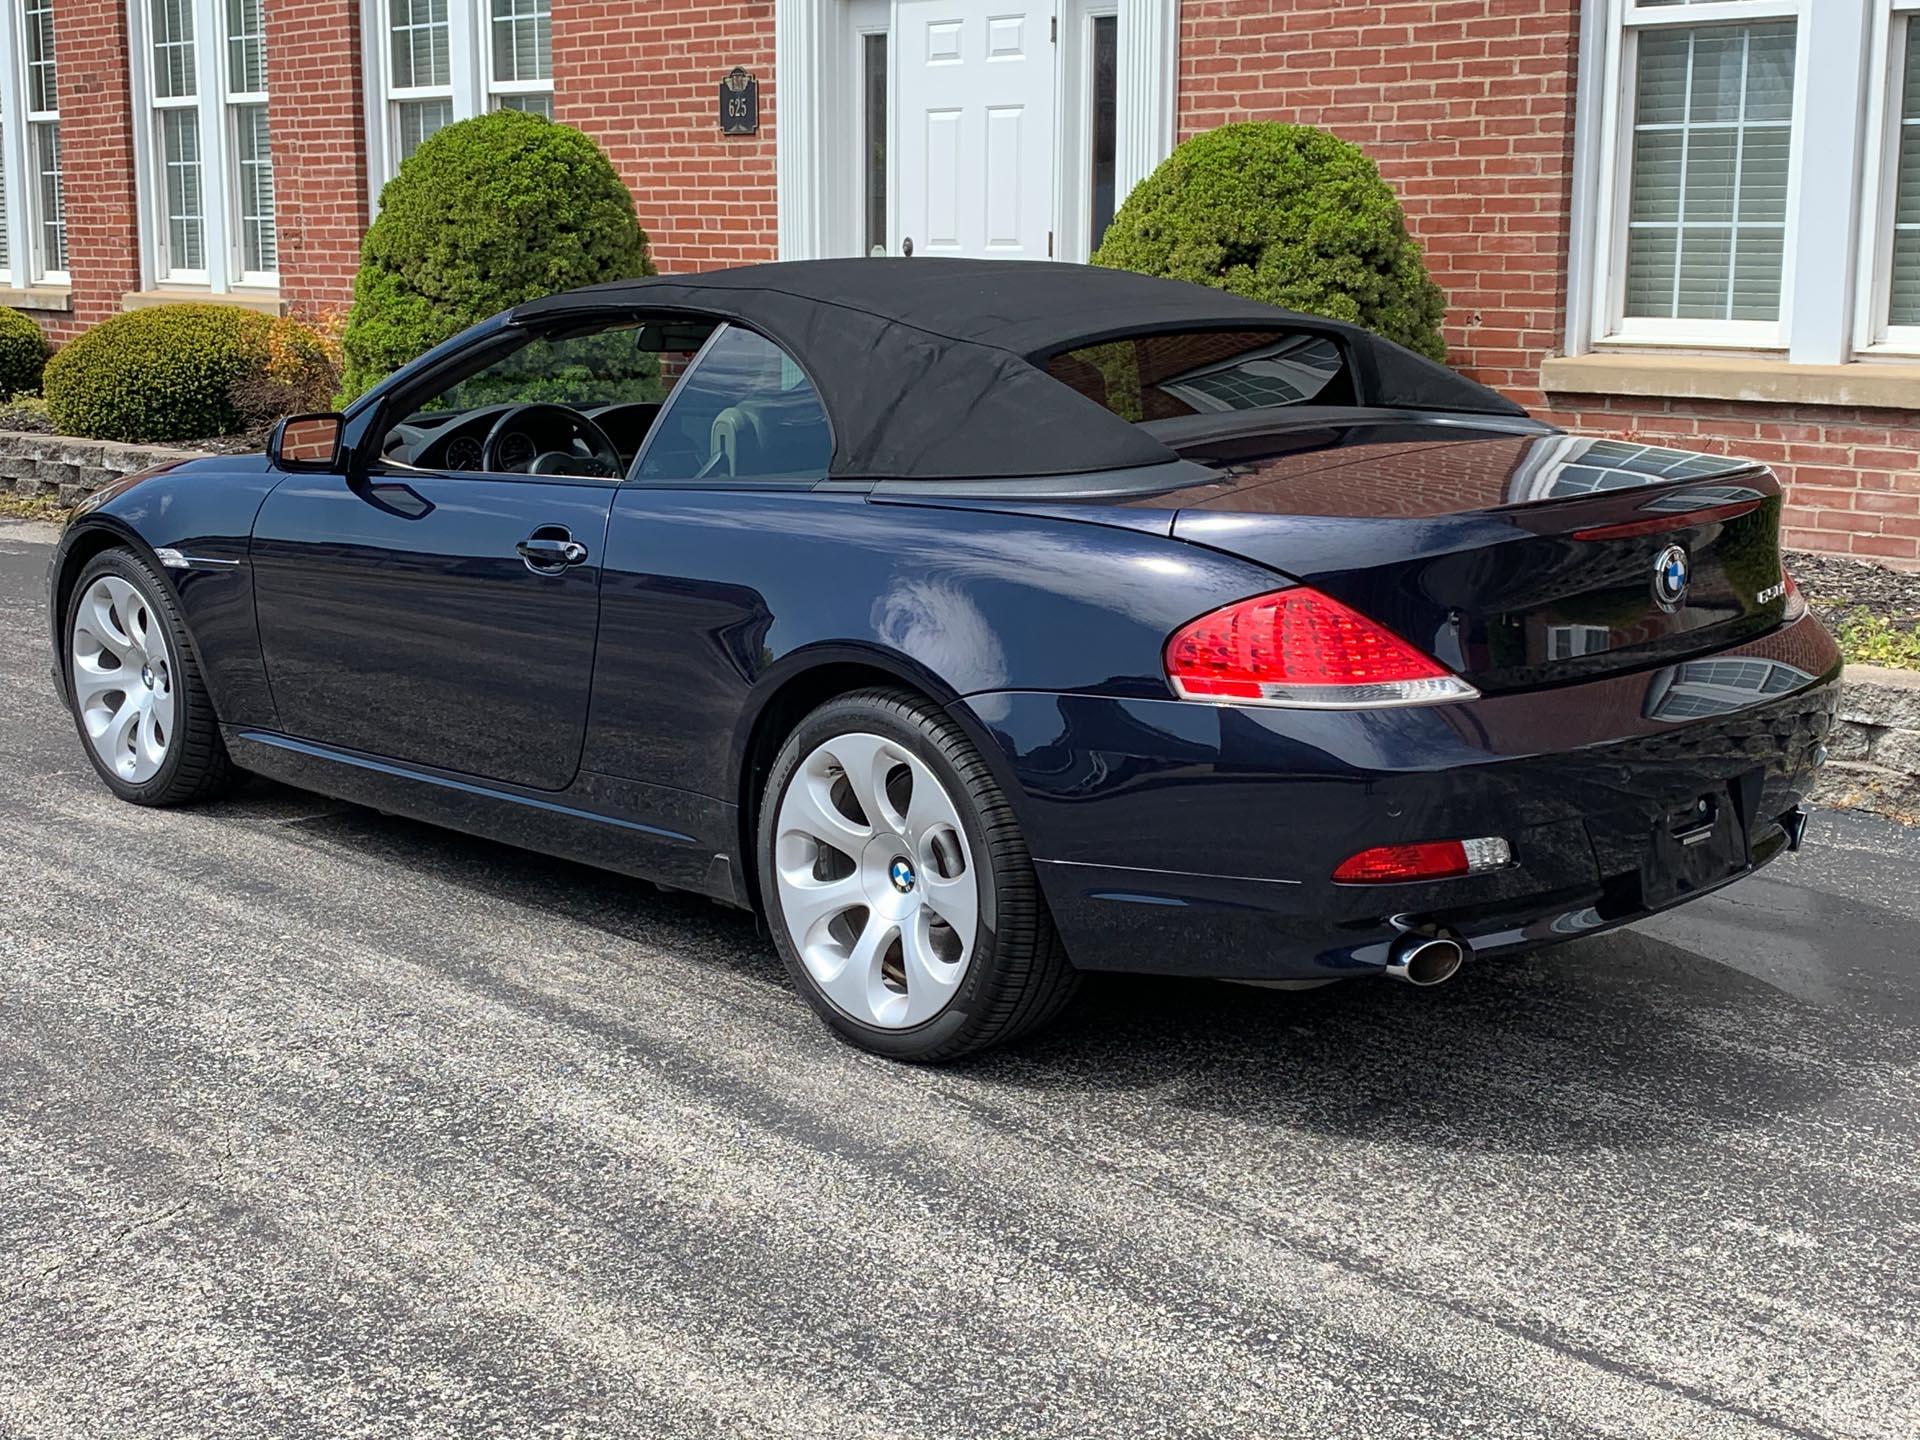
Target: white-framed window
438,61
205,153
1748,177
33,214
1702,146
1888,321
520,55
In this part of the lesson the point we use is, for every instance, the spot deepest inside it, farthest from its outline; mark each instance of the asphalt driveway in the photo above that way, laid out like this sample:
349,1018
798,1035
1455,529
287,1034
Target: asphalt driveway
314,1122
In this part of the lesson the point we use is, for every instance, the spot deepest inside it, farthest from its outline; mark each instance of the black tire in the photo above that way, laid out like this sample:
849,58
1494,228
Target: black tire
1019,976
197,766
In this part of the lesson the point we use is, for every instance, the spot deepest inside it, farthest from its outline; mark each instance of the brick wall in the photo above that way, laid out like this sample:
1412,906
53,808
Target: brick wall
1852,476
96,155
319,149
644,83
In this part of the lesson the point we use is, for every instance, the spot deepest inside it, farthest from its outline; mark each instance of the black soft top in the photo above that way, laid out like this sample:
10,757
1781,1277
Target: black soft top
927,368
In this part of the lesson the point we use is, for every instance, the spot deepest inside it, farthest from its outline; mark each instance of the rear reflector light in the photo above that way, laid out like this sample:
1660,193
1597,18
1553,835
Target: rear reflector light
1425,860
1299,647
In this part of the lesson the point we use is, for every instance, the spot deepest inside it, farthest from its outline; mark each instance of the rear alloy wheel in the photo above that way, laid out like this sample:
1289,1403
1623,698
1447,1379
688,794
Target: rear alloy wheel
900,891
135,687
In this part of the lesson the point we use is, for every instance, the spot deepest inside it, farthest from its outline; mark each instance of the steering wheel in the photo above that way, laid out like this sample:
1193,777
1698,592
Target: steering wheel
604,455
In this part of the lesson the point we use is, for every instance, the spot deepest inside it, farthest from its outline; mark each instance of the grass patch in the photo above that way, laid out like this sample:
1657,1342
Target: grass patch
1870,639
19,507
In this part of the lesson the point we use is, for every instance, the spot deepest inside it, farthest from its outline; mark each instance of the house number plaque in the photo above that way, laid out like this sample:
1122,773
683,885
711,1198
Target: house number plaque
739,103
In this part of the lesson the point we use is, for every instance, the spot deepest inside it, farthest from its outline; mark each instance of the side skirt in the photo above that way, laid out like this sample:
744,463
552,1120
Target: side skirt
684,843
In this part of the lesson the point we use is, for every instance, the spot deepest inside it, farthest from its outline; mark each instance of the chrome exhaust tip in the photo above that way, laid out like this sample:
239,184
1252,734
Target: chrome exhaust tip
1794,822
1426,959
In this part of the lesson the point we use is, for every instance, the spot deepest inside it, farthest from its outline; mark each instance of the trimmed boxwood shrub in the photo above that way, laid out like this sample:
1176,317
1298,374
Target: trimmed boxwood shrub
23,354
487,213
1286,214
165,373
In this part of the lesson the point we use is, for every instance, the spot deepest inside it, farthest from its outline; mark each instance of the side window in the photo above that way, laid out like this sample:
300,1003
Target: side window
1160,377
575,402
744,412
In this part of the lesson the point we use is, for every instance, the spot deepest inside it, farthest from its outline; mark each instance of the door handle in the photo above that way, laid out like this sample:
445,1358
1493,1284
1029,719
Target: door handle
550,550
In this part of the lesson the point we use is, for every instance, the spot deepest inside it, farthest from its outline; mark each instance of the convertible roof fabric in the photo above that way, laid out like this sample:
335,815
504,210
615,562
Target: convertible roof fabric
928,368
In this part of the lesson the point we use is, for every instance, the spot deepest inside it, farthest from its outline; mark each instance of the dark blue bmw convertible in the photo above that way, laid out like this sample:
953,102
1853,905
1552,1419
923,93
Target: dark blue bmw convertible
980,624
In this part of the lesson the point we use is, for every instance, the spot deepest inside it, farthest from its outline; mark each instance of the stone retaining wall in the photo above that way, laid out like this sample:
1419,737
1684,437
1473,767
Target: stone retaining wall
58,467
1874,751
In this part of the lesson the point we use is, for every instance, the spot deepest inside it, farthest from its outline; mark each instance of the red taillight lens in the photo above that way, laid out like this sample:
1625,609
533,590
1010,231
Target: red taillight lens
1423,860
1299,647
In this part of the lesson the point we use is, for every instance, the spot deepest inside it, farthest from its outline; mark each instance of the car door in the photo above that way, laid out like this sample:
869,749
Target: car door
444,616
719,505
401,617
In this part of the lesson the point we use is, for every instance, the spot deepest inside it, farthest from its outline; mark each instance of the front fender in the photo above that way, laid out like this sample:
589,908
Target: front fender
202,512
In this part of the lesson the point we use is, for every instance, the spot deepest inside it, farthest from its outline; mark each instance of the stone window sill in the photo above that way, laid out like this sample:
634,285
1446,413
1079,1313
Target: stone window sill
37,297
267,302
1718,377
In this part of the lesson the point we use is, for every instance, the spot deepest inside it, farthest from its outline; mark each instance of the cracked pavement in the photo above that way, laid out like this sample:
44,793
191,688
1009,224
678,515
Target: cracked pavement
319,1123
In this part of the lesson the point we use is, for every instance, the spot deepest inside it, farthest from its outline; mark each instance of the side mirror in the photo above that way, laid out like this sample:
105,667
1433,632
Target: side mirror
306,442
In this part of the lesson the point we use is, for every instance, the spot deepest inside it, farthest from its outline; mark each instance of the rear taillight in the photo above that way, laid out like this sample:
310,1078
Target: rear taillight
1299,647
1424,860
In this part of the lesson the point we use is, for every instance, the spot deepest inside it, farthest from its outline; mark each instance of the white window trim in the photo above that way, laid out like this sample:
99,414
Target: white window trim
471,87
1879,337
213,102
861,18
1073,202
24,239
811,45
1820,263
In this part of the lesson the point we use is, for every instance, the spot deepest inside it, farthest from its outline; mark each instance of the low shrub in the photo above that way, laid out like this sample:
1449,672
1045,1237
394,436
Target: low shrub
23,354
488,213
1286,214
27,413
301,372
171,372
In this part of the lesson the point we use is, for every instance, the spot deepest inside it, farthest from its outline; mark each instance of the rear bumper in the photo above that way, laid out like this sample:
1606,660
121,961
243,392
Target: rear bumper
1190,839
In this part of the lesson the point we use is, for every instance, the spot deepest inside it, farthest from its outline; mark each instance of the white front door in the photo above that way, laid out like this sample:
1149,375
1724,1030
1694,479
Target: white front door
973,118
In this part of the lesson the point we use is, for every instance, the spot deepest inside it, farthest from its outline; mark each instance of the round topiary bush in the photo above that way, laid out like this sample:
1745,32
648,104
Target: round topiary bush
488,213
23,354
1286,214
165,373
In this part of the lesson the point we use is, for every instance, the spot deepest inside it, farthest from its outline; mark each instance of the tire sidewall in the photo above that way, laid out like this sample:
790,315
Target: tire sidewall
886,718
160,603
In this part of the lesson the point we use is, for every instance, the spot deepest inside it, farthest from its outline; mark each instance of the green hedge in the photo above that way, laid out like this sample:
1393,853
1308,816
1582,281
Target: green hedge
487,213
165,373
1286,214
23,354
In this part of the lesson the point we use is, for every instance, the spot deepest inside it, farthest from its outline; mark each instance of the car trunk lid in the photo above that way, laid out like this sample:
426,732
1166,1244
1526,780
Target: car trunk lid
1516,559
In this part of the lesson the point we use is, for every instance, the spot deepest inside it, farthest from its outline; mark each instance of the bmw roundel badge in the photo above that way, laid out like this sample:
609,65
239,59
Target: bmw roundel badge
1672,573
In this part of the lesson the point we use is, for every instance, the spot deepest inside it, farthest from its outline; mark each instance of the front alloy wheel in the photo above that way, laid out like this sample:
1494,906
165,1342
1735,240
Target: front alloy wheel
901,893
122,678
134,684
